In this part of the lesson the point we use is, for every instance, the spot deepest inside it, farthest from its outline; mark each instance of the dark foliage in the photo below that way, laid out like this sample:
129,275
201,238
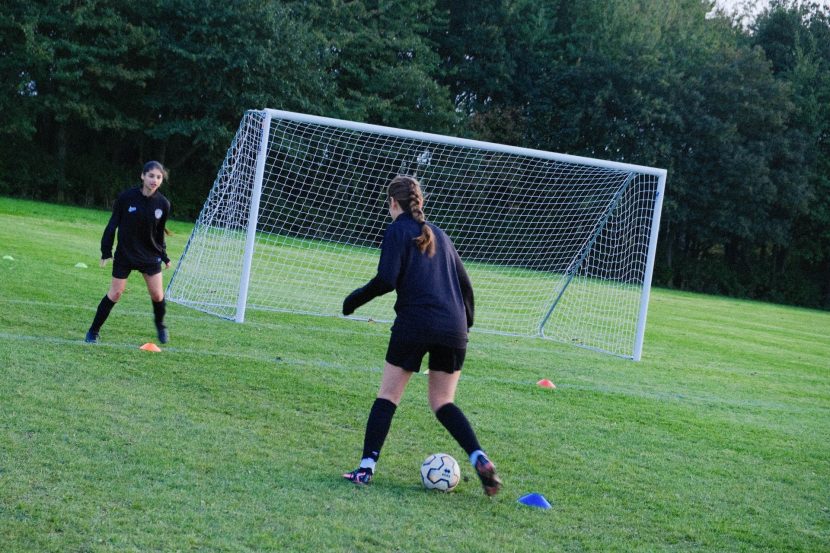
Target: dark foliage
740,117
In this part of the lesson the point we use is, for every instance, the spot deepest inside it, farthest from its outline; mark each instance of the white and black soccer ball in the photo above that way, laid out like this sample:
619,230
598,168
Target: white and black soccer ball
440,472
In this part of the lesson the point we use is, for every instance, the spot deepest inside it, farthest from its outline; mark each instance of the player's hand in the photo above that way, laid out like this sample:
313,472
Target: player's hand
166,264
104,261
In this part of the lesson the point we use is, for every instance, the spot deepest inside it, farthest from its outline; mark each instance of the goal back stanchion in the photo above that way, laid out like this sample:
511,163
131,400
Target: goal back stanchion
253,217
640,333
557,246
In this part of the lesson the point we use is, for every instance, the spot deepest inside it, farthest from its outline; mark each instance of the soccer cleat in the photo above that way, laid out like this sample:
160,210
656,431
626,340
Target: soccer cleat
163,335
487,474
359,476
91,337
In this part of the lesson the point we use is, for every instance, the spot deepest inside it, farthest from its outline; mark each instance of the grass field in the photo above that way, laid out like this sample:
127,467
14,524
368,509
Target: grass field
233,438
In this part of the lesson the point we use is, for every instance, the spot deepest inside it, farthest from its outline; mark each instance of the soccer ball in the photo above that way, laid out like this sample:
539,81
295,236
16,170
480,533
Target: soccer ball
440,472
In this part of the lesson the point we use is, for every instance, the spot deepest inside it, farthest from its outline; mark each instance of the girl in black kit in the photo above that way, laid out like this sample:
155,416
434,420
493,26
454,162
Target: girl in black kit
140,215
434,313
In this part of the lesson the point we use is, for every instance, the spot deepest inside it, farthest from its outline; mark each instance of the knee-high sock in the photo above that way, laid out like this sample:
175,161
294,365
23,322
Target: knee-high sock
104,308
377,427
159,309
458,426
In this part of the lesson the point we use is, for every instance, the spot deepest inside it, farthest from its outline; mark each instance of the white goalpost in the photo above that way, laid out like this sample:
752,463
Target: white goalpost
557,246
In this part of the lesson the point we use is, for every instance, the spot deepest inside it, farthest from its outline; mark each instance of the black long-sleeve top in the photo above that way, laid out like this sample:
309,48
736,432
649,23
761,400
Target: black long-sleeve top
140,221
435,296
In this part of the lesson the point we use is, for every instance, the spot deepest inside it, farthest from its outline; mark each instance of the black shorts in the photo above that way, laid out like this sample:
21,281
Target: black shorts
408,355
122,270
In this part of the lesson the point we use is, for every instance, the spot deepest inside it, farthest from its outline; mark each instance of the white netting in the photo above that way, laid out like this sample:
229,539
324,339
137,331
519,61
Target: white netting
554,247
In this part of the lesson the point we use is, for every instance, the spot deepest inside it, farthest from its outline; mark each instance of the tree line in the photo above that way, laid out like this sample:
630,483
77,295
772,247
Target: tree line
738,115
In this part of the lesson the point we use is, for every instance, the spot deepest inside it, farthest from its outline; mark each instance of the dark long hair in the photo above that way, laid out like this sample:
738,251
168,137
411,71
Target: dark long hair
406,191
155,165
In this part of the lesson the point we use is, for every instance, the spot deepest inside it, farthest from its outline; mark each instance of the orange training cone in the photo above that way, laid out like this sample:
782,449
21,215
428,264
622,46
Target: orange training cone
150,346
545,383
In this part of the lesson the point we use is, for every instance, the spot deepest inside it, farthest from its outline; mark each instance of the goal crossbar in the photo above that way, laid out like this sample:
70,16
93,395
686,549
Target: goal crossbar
462,142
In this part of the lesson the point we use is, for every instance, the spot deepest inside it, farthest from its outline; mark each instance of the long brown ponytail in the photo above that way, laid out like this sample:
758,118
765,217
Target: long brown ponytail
407,192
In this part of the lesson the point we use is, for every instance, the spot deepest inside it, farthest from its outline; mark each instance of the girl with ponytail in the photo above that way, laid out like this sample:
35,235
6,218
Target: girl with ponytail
434,311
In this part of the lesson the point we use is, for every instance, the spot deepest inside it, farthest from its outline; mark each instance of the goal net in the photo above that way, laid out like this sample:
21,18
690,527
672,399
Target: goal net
556,246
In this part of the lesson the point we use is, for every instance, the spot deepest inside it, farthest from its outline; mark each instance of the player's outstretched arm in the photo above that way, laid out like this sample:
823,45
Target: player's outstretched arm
375,287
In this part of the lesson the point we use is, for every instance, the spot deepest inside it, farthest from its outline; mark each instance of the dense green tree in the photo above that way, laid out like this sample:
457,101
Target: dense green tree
739,115
659,83
493,54
18,57
73,76
107,84
213,60
796,39
478,66
18,96
383,61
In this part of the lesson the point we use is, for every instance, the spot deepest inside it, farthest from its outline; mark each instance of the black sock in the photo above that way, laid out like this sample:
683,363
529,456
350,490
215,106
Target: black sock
159,309
458,426
377,427
101,314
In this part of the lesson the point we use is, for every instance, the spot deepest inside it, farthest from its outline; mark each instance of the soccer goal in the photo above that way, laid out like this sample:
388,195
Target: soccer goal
557,246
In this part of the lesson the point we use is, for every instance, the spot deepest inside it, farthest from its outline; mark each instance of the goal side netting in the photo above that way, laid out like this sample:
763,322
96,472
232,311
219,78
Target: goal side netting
556,246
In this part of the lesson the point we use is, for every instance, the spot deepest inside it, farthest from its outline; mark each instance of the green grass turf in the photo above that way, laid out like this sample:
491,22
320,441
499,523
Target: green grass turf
233,438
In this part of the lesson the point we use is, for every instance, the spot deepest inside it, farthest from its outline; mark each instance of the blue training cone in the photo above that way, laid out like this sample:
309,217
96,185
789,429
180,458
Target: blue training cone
535,500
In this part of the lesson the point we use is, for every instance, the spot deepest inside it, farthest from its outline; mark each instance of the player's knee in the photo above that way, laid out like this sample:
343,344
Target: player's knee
157,296
114,295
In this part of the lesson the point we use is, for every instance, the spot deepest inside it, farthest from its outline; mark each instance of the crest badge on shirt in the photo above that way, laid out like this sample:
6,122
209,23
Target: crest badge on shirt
158,214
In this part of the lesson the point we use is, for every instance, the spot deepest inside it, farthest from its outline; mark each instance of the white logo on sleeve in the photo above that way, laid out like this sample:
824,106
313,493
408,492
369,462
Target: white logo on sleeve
158,214
131,209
